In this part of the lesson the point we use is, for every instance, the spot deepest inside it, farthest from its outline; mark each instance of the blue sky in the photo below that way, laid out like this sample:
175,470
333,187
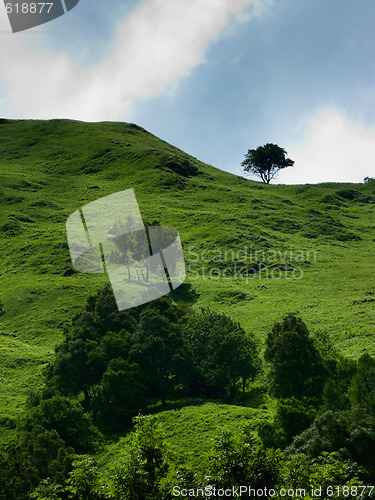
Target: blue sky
213,77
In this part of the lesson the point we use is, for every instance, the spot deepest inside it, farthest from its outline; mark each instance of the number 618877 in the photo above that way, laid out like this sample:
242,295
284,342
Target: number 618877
28,8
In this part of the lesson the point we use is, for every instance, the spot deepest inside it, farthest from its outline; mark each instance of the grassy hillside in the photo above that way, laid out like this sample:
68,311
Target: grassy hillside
324,234
190,431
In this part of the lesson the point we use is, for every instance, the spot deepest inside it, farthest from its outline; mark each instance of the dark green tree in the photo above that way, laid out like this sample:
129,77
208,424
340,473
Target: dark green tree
319,474
222,354
339,371
265,161
296,366
148,338
362,387
292,417
48,453
336,388
237,459
78,366
67,418
31,457
142,473
114,345
99,316
85,482
120,393
351,433
158,348
96,335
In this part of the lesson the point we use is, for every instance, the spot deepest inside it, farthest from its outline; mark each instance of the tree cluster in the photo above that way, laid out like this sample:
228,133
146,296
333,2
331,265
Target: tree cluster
122,361
325,402
114,365
153,471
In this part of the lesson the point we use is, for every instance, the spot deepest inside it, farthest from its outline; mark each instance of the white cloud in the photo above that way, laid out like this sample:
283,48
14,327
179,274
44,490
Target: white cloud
156,45
334,149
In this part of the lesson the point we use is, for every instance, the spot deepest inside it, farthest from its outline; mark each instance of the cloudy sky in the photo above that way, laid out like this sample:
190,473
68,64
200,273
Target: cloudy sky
213,77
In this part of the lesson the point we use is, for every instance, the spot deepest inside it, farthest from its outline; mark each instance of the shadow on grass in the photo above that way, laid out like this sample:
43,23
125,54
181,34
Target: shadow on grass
255,397
176,404
112,432
185,293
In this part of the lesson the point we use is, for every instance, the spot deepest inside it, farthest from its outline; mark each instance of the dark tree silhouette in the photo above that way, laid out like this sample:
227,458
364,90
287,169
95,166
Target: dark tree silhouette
266,161
297,368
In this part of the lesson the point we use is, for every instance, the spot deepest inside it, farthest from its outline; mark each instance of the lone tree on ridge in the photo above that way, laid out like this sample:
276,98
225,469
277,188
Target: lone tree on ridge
265,161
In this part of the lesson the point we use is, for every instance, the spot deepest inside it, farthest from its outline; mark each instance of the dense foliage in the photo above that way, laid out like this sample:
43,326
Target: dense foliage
113,368
297,369
120,361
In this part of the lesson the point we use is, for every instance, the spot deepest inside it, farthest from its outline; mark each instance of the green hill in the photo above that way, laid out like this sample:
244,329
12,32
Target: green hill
313,244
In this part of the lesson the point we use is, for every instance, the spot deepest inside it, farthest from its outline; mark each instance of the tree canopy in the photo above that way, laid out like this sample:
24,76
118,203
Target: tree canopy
265,161
114,365
297,368
221,354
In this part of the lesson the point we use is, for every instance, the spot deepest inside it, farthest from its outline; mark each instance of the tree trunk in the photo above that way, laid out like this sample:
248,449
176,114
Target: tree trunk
162,397
244,379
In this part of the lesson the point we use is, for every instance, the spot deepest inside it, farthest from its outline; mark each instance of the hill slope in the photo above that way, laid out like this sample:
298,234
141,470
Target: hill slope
314,242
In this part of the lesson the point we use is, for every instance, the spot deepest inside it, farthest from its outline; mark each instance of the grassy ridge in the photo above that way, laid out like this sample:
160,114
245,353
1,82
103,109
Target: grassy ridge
48,169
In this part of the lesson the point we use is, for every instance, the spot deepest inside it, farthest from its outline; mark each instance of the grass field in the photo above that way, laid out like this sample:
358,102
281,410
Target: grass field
322,236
